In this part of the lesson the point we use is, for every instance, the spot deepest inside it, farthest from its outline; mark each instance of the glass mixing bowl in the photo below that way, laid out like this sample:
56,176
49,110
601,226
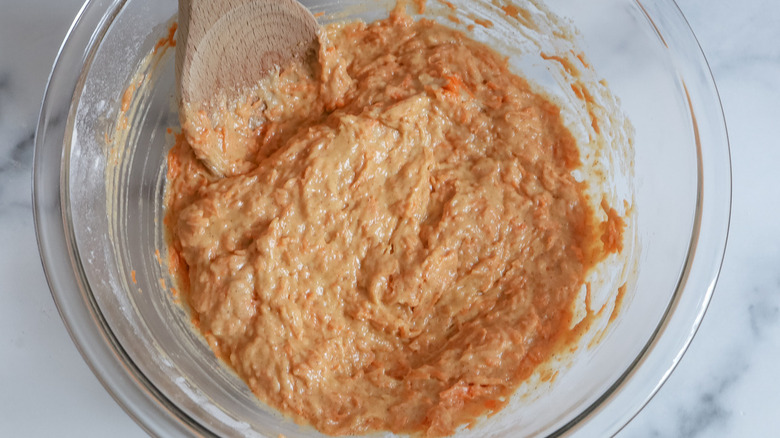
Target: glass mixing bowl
98,212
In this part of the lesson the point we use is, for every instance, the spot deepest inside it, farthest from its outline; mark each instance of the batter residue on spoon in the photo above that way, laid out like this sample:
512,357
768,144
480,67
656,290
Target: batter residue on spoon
397,240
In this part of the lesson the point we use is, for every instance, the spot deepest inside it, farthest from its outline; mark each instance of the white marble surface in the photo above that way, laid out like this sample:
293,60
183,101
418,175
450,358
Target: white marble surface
726,386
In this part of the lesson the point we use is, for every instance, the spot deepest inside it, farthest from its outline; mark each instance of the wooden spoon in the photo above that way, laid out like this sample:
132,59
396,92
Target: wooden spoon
224,47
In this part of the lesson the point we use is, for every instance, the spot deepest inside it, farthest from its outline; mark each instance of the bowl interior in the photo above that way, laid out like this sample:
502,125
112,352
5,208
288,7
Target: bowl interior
113,176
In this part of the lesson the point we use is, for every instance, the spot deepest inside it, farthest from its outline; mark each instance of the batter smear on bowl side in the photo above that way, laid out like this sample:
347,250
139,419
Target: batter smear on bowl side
397,239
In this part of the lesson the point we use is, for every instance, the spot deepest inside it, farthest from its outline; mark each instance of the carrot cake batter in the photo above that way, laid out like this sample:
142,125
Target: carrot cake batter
395,239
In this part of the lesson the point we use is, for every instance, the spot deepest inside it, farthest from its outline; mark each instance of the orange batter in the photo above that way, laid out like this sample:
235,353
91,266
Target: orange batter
397,239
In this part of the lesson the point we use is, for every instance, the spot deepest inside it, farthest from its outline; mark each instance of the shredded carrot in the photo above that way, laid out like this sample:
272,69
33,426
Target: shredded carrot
447,4
484,23
594,122
127,97
612,229
454,83
565,63
167,41
577,90
510,10
621,293
581,57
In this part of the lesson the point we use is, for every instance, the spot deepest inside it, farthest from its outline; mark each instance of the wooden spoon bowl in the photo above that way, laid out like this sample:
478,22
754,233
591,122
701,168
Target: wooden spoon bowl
227,45
224,49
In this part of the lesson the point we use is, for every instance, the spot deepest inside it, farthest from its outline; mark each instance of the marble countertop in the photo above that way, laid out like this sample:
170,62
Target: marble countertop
726,385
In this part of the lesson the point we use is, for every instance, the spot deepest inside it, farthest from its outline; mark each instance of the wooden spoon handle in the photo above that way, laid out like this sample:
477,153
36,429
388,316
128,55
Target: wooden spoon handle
226,45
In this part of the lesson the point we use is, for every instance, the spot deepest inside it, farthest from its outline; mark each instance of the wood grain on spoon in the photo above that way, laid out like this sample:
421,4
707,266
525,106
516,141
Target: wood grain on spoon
224,48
